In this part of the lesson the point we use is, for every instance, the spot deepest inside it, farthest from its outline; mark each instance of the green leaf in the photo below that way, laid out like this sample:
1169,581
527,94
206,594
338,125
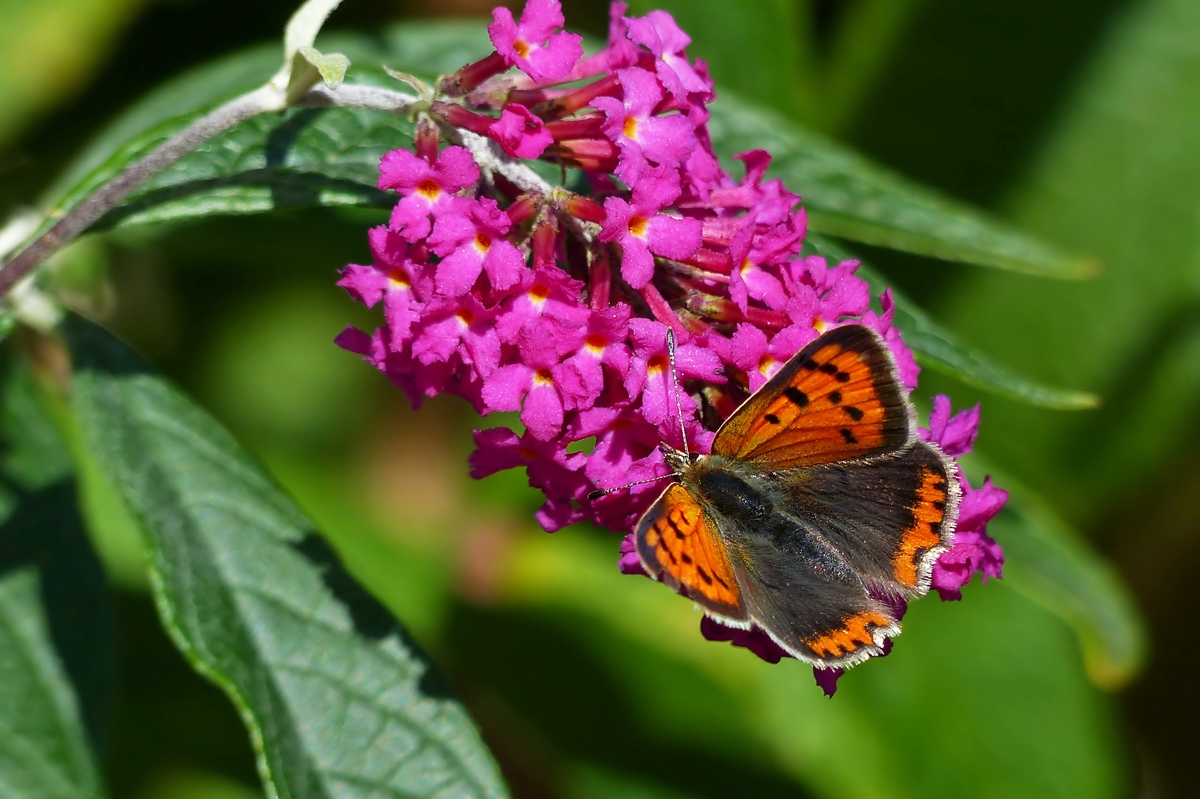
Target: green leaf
301,158
57,654
338,698
1049,562
939,349
8,322
849,197
52,597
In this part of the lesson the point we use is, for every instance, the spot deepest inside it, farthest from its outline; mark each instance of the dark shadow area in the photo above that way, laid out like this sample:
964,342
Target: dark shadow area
1128,395
573,710
1153,539
167,717
46,533
975,88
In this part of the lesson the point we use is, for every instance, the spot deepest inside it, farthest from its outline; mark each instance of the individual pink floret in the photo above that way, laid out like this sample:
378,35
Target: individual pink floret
643,136
536,46
520,133
642,232
974,551
473,242
658,32
459,330
427,189
604,345
649,374
394,278
532,384
906,363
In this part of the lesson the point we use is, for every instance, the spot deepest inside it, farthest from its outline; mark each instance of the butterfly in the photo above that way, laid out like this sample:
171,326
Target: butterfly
817,503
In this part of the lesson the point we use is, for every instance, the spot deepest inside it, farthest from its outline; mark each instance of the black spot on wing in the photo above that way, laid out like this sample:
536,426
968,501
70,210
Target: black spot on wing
854,413
835,397
796,396
848,436
772,418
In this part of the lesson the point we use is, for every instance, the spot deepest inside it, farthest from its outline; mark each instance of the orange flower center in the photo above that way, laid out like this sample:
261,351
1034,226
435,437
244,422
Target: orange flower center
522,47
596,343
466,317
483,242
638,225
398,278
429,189
630,127
657,364
542,377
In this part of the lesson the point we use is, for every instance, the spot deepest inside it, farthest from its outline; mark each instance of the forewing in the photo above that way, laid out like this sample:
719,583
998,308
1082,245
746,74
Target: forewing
889,517
838,398
677,540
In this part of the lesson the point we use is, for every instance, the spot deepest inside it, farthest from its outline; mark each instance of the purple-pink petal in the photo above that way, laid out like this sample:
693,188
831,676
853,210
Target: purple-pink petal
827,679
542,413
520,133
753,639
954,435
629,562
506,387
533,46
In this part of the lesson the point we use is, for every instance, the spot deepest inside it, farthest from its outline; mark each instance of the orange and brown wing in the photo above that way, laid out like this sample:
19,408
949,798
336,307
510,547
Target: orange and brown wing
838,398
677,540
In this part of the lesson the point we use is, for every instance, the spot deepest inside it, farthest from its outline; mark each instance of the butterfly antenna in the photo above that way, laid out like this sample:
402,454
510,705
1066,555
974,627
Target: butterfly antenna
675,385
603,492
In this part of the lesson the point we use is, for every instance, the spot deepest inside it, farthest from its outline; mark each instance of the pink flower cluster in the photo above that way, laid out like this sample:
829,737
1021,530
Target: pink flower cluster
555,301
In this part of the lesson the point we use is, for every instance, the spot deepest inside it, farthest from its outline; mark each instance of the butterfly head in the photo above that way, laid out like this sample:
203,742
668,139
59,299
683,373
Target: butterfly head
679,460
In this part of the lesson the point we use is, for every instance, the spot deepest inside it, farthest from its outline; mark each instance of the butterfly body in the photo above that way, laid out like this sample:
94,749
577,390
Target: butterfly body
817,506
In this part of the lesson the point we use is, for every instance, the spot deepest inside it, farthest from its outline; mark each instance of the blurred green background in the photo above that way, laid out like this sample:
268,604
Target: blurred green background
1078,120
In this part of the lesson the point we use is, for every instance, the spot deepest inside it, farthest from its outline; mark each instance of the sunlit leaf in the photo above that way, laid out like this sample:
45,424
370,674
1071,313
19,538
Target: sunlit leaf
301,158
849,197
338,698
938,348
1051,563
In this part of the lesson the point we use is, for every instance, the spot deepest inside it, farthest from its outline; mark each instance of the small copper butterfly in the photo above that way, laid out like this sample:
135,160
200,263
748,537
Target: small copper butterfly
817,502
